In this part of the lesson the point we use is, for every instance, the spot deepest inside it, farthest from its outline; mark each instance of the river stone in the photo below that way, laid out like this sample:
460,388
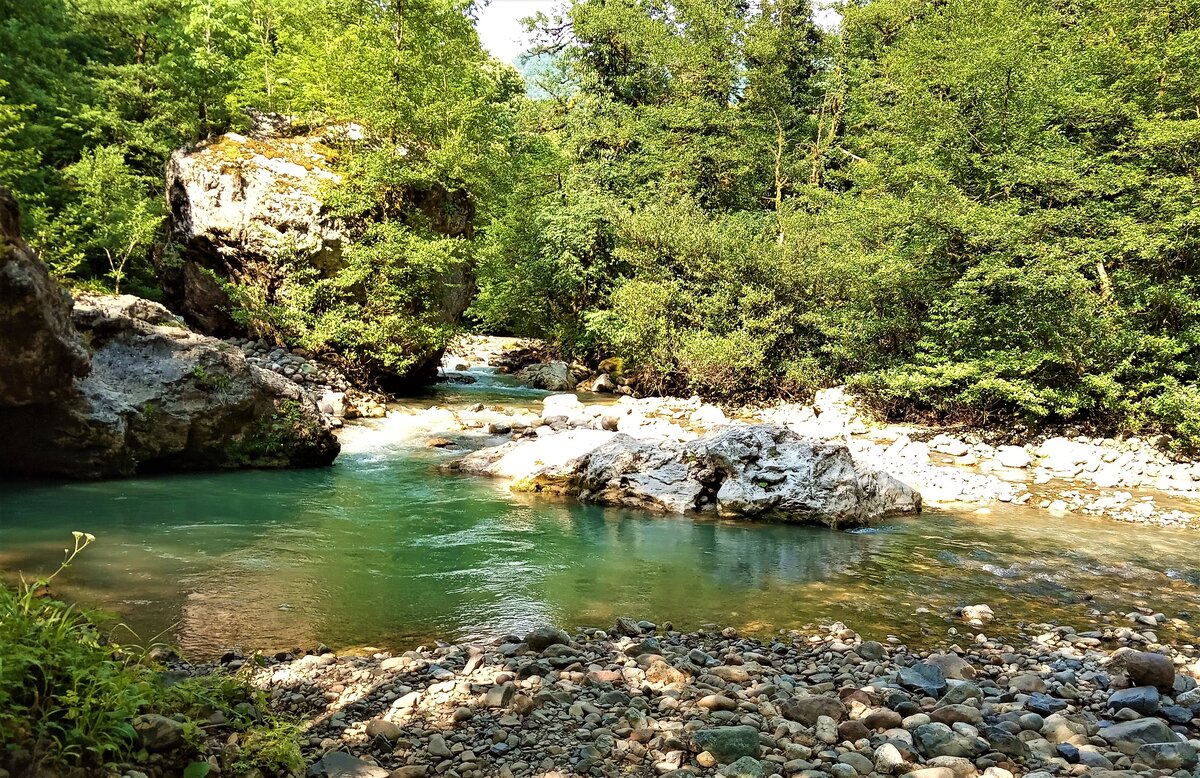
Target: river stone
882,719
1044,704
923,677
158,733
1057,728
861,764
852,731
746,767
939,740
388,730
1190,698
717,702
1143,699
1012,456
953,714
960,693
872,650
1128,736
1167,756
728,744
1027,683
1005,742
1149,669
339,764
499,696
731,673
888,759
931,772
556,376
647,646
437,747
663,677
953,666
807,710
543,637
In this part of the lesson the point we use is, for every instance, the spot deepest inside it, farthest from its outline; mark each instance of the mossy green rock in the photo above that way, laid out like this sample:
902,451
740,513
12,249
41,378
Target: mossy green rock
728,744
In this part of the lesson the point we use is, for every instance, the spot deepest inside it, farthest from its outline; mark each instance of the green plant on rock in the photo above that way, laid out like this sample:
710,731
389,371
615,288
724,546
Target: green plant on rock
273,436
208,381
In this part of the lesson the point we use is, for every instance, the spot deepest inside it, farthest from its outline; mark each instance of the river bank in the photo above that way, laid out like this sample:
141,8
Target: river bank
636,699
1130,480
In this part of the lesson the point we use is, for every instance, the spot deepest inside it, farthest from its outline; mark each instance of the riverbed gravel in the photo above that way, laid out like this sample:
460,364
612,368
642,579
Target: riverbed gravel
639,699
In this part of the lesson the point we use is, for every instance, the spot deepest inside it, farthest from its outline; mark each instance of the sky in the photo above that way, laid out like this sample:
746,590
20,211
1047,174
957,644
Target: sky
503,35
500,26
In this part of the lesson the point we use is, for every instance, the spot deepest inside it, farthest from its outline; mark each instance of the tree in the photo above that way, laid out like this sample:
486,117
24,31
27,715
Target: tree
109,217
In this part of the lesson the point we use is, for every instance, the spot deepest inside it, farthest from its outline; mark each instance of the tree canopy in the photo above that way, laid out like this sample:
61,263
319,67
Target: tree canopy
976,210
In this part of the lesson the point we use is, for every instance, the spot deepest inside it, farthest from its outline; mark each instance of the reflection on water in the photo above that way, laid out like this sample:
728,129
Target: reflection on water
383,550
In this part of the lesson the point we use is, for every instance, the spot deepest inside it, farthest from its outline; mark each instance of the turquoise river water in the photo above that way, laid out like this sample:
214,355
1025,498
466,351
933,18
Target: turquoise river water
383,550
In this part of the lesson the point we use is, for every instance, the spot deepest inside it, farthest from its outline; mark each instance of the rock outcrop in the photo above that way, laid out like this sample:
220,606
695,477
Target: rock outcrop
247,212
150,396
237,206
41,354
160,397
747,471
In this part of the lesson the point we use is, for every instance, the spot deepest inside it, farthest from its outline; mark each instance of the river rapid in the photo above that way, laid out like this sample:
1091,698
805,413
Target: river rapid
384,550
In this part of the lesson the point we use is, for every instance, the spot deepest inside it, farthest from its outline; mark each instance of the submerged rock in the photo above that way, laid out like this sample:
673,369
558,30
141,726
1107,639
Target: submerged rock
751,471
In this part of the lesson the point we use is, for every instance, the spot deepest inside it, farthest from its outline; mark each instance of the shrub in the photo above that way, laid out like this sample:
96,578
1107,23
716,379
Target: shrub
66,695
69,694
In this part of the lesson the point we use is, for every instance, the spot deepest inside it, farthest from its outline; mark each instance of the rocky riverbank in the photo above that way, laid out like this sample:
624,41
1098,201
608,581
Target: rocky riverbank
1131,480
637,699
113,385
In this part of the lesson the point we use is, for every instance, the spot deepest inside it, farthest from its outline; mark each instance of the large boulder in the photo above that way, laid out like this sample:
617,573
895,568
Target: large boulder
237,205
555,376
248,213
758,471
160,397
41,354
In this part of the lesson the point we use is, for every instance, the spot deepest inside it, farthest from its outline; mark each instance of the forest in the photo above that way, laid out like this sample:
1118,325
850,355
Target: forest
978,211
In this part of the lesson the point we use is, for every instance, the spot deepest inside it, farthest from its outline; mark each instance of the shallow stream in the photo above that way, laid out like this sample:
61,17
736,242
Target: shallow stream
384,550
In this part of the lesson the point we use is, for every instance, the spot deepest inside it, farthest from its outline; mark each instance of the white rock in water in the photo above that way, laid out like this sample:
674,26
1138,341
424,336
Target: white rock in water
756,472
1062,454
1013,456
707,416
561,405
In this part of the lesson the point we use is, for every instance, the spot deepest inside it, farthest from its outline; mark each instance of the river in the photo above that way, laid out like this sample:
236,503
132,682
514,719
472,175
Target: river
384,550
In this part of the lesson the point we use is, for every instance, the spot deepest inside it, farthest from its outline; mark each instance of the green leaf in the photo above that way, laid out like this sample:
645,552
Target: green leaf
196,770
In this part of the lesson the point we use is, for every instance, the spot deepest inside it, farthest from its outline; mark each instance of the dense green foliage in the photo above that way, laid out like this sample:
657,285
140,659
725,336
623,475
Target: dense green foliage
69,693
974,210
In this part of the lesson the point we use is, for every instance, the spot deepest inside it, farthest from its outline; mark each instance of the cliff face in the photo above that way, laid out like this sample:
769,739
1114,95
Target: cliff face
147,394
41,354
243,210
